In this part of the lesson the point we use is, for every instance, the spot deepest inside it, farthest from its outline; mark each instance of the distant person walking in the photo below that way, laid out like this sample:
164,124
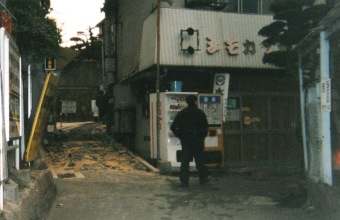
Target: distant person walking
191,127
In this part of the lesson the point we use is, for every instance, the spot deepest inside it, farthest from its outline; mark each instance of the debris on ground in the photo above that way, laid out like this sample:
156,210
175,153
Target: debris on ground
92,150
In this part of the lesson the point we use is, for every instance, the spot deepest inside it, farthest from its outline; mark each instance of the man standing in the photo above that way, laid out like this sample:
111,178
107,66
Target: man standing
191,127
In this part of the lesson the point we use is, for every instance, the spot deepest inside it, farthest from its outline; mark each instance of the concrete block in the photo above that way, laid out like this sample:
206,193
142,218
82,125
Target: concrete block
11,191
164,167
22,175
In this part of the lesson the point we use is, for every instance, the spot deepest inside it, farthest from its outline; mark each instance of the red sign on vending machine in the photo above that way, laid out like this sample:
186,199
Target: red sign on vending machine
6,22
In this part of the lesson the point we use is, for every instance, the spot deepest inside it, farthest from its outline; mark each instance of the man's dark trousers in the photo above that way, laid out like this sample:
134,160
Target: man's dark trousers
192,146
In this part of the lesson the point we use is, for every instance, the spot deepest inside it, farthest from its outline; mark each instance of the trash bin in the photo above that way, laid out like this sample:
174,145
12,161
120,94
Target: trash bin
176,86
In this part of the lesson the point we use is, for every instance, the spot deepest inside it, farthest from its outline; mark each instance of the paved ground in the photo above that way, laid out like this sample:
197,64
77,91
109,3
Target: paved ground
115,185
150,196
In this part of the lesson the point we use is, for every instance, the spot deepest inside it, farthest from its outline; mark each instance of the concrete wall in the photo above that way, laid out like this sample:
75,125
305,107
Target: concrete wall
80,82
130,32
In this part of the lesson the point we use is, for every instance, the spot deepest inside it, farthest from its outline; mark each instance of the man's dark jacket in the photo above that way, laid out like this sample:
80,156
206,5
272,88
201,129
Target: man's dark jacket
190,121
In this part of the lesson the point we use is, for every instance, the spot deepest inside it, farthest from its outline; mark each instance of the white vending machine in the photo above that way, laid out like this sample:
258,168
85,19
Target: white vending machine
170,103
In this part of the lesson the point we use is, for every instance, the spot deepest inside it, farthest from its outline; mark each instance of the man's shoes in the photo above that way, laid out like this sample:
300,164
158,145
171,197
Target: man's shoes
205,180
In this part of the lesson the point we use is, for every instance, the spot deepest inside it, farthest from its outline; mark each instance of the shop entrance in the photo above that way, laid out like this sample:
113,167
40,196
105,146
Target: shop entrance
263,129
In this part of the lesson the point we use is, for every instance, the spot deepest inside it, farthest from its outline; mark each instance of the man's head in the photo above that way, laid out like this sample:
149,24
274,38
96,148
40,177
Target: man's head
191,100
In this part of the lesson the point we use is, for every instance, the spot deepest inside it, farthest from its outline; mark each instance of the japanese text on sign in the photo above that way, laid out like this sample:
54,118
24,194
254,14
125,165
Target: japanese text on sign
325,95
233,46
68,107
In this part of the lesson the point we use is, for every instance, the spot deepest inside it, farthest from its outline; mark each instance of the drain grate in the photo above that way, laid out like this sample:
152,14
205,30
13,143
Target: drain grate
66,175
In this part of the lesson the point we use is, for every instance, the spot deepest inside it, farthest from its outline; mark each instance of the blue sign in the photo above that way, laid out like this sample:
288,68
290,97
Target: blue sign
210,99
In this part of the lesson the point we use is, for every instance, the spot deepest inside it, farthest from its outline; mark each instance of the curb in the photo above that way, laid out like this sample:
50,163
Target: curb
152,168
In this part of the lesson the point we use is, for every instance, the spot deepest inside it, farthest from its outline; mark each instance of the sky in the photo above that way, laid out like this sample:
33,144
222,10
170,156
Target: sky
76,15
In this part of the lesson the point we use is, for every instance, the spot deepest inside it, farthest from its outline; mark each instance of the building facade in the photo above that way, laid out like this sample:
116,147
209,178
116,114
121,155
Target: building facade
198,39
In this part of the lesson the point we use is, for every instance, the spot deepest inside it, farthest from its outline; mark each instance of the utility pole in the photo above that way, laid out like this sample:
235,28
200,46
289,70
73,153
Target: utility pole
158,78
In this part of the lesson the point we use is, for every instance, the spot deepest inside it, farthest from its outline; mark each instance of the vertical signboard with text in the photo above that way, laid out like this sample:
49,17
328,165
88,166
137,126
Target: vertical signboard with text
326,101
14,91
221,87
11,81
11,102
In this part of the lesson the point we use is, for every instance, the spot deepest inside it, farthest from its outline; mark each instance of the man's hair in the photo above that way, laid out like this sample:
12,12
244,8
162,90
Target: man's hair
191,99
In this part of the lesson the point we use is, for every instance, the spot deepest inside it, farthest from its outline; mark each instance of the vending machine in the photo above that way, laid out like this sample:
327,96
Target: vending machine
212,105
170,103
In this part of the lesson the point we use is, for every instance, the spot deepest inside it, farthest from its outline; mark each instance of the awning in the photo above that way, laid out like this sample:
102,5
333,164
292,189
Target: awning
204,39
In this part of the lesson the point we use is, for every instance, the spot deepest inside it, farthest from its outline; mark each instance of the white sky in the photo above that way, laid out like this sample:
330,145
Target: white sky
76,15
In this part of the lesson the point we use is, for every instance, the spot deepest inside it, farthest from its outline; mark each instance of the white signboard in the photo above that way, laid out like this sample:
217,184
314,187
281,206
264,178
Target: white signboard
326,95
11,80
233,115
221,86
68,107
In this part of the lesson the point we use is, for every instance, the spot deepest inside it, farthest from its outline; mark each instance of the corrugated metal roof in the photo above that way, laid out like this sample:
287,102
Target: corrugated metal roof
221,26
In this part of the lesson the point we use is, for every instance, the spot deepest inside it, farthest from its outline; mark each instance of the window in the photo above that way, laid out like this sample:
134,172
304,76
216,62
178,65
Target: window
249,6
265,5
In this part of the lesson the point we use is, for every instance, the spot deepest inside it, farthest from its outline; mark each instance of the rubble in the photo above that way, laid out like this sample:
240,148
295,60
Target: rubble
93,150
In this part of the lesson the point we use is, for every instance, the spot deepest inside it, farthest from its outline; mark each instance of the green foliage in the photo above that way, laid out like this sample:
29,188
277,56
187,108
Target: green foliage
110,7
36,35
89,44
293,20
280,58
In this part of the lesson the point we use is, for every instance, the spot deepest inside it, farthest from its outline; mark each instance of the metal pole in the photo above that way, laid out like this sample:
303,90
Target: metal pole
326,142
157,79
103,61
303,116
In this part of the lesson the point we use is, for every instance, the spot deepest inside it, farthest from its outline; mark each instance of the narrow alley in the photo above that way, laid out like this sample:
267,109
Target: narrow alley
98,178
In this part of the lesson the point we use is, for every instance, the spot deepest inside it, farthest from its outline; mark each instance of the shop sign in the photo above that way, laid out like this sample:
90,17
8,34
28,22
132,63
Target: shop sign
233,115
221,86
68,107
12,86
14,90
159,106
7,22
233,46
212,45
326,95
256,119
247,120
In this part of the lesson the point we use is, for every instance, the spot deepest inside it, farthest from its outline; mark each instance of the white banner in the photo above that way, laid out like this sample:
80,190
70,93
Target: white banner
94,108
221,86
3,140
